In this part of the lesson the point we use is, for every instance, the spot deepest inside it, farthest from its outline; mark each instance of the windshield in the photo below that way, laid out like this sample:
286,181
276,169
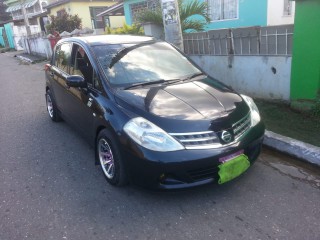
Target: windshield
127,64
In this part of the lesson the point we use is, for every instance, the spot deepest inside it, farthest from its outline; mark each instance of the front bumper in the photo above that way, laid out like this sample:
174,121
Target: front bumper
186,168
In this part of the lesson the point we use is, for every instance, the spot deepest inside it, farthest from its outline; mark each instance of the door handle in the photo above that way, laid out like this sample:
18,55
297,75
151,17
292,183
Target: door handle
89,103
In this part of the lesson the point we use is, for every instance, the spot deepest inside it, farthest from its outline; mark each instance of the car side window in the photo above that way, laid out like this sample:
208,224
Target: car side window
63,56
81,65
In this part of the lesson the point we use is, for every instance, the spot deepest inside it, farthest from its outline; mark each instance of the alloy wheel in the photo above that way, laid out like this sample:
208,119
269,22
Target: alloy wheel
49,106
106,158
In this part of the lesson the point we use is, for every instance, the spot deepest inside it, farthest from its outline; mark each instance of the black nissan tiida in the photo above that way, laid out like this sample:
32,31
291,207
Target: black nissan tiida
153,116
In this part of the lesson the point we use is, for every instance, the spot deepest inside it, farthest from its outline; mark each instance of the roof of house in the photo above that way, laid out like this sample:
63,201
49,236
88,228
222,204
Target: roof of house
114,10
61,2
18,5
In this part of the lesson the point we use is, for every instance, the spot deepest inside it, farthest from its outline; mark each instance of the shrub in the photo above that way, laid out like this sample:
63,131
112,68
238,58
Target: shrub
126,29
64,22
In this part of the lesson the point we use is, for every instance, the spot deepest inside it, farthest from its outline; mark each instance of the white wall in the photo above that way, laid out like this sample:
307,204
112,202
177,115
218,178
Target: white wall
275,13
38,46
266,77
20,31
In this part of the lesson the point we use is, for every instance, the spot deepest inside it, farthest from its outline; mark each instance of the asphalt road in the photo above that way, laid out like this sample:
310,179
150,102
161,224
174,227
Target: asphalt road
51,189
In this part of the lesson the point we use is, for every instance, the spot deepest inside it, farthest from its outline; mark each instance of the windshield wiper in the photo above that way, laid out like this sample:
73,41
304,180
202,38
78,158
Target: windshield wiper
161,81
193,76
140,84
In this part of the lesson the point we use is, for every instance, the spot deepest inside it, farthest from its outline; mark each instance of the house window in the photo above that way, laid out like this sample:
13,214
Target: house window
287,8
136,8
223,9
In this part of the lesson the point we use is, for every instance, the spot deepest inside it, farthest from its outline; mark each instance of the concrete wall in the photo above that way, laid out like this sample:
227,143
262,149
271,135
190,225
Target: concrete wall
20,31
117,21
266,77
275,13
37,45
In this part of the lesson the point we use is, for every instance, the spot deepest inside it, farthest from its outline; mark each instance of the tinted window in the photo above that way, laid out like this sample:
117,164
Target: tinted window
81,65
131,63
63,55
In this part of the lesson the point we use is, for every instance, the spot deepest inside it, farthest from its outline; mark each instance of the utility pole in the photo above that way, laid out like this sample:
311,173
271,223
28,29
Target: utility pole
171,22
25,17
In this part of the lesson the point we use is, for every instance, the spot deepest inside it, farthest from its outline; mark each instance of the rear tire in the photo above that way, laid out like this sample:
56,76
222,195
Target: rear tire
52,108
110,159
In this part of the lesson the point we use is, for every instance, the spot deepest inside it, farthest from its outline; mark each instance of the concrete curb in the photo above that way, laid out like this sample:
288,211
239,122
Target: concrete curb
29,58
301,150
25,59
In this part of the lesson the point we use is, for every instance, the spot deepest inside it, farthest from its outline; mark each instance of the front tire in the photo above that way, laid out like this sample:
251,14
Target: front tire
110,159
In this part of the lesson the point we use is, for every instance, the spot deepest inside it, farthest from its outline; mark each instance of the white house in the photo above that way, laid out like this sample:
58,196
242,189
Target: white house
280,12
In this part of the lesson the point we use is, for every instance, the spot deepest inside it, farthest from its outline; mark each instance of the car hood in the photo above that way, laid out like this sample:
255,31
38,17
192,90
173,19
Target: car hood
205,99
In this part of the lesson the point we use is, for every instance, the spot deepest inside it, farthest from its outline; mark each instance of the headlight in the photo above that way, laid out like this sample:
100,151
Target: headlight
255,115
150,136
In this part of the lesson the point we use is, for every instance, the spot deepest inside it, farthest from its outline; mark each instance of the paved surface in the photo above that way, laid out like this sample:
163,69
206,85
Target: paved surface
51,189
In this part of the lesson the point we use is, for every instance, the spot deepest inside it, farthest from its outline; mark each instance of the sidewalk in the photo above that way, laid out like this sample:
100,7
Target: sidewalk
304,151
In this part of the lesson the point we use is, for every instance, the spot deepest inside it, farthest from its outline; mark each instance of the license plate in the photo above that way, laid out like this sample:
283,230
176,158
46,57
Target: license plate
233,168
229,157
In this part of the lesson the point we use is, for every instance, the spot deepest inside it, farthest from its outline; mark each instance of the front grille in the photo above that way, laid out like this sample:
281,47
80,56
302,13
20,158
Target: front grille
203,173
209,139
240,127
196,139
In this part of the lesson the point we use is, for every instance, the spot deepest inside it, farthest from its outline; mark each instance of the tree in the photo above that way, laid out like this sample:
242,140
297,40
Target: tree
188,11
4,16
64,22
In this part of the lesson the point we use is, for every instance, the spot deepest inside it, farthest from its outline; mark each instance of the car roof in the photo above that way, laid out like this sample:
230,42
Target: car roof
109,39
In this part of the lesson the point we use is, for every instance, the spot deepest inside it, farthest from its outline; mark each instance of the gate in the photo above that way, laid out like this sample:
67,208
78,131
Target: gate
2,37
9,34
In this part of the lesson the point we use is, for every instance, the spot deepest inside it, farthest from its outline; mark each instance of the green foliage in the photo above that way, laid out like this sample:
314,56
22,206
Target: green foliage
64,22
188,10
4,16
126,29
150,16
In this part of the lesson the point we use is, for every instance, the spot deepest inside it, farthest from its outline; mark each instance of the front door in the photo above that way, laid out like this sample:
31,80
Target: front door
82,102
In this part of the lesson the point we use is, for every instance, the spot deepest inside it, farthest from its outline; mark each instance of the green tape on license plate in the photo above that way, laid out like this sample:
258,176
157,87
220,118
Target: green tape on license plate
233,168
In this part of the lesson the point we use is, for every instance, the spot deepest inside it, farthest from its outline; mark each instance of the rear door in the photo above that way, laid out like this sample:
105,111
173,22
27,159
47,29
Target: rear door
59,72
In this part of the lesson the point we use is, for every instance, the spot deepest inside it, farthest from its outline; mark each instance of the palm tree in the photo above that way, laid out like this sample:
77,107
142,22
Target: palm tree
188,10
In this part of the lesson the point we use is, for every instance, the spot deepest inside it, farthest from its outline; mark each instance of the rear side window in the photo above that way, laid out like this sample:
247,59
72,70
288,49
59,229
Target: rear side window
63,56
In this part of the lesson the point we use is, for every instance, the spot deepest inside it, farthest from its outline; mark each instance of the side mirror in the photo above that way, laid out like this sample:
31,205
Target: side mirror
76,81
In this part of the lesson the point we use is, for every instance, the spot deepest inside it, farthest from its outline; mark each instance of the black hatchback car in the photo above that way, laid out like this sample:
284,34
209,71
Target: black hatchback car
153,116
